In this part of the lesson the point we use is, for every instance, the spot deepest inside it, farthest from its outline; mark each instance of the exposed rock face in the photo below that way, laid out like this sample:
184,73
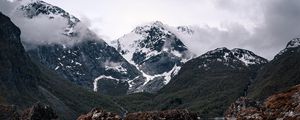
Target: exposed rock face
238,108
98,114
91,64
37,7
156,52
163,115
285,106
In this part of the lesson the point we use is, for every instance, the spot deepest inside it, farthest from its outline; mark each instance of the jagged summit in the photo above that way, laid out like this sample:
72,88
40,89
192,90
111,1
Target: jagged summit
293,43
154,36
156,51
148,26
291,46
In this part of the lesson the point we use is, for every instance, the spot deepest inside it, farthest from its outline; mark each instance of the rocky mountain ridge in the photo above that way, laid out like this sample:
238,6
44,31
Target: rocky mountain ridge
155,51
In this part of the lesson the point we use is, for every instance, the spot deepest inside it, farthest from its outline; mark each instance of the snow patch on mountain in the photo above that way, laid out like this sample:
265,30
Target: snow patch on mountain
116,66
95,83
294,43
248,57
227,57
154,50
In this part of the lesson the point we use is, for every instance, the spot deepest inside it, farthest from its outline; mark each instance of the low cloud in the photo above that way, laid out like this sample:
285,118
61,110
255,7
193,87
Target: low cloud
41,30
272,24
276,23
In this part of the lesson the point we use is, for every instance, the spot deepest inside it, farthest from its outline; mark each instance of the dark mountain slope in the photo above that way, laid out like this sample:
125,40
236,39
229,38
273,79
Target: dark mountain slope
279,74
22,83
207,84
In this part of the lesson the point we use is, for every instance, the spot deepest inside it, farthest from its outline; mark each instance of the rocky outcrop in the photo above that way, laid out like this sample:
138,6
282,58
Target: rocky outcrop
244,108
240,105
284,105
8,113
99,114
39,112
163,115
36,112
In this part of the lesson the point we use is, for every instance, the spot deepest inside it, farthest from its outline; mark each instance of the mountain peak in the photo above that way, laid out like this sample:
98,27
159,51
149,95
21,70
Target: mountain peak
291,46
293,43
151,27
34,8
223,54
157,23
156,51
248,57
216,51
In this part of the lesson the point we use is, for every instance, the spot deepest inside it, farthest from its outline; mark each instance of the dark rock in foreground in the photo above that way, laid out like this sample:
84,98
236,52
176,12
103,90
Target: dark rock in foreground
98,114
39,112
163,115
8,113
284,106
36,112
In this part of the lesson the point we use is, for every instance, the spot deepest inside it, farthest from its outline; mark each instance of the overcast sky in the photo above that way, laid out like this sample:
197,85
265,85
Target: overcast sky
263,26
113,18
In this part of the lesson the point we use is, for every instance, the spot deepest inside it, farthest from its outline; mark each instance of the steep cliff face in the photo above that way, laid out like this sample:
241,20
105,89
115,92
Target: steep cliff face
24,82
18,75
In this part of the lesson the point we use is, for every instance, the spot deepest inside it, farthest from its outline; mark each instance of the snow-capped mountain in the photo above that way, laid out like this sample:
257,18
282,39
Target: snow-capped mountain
211,81
34,8
233,58
155,51
88,61
292,46
248,57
